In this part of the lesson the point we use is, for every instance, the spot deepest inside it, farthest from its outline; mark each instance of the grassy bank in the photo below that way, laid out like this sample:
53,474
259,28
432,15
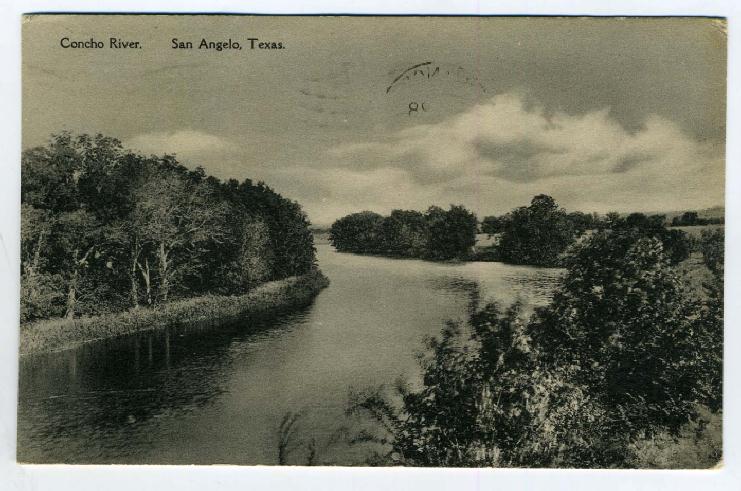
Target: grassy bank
275,296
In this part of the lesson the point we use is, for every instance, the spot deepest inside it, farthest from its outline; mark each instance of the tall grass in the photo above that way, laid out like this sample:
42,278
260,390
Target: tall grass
274,296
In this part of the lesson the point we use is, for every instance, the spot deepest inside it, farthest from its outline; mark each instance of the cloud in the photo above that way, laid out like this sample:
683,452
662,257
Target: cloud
498,154
188,143
491,158
218,155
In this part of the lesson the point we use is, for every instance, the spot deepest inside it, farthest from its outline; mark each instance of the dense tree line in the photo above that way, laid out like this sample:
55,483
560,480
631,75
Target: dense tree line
692,218
541,233
105,229
622,369
437,234
579,221
538,235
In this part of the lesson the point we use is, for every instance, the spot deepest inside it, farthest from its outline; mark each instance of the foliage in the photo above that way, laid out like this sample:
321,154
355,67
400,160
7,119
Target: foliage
711,244
698,444
357,232
675,243
692,218
41,297
492,224
537,234
709,323
621,369
579,221
452,233
623,319
485,401
405,234
105,229
209,310
438,234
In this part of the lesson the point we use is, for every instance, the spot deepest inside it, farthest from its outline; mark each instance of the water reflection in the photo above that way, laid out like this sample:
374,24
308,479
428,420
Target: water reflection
121,385
218,394
455,285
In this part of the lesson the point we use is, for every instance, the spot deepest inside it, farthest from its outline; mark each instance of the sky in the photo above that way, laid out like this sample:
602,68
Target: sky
604,114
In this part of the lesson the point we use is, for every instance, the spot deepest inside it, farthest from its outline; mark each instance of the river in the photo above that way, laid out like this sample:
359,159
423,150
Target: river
195,396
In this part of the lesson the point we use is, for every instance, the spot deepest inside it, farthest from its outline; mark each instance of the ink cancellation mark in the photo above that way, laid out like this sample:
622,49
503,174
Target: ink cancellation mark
428,70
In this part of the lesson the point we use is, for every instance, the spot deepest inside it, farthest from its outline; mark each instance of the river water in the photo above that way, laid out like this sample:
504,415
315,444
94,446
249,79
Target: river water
195,396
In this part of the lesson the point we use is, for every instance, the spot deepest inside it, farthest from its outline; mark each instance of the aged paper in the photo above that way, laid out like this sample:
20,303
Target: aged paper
372,241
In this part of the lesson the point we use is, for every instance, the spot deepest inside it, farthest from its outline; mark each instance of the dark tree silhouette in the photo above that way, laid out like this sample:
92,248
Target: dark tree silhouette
105,229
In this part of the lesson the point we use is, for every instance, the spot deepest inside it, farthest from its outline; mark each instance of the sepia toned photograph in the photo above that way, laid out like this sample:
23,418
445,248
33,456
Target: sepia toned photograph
419,241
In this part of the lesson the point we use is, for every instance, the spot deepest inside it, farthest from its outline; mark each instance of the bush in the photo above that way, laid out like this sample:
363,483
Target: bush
676,244
41,297
485,401
210,310
537,234
623,319
608,375
698,444
711,245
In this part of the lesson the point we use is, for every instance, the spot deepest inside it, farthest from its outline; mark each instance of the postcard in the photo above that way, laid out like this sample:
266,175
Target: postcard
419,241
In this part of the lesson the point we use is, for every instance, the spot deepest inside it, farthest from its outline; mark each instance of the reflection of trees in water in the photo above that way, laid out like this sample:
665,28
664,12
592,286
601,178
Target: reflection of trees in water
108,386
532,287
538,287
469,290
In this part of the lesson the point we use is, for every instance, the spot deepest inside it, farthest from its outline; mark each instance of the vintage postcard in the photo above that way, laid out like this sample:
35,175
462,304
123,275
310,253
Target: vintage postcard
372,241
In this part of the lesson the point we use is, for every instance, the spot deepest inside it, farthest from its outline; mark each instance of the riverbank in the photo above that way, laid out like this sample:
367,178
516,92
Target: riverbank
274,296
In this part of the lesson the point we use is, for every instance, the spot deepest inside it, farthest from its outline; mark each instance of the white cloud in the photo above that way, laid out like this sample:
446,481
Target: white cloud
218,155
497,155
188,143
490,158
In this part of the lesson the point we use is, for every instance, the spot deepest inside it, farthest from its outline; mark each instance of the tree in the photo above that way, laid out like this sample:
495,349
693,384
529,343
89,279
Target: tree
675,242
451,234
40,290
357,232
104,229
177,217
712,243
493,225
49,175
537,234
688,218
623,320
620,356
709,324
485,401
404,233
436,235
78,233
292,243
581,222
254,261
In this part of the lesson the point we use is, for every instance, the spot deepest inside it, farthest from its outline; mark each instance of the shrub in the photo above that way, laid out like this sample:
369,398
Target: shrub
622,357
711,245
537,234
485,401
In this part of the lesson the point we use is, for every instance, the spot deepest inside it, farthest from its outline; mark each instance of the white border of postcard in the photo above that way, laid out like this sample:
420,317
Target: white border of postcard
115,478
